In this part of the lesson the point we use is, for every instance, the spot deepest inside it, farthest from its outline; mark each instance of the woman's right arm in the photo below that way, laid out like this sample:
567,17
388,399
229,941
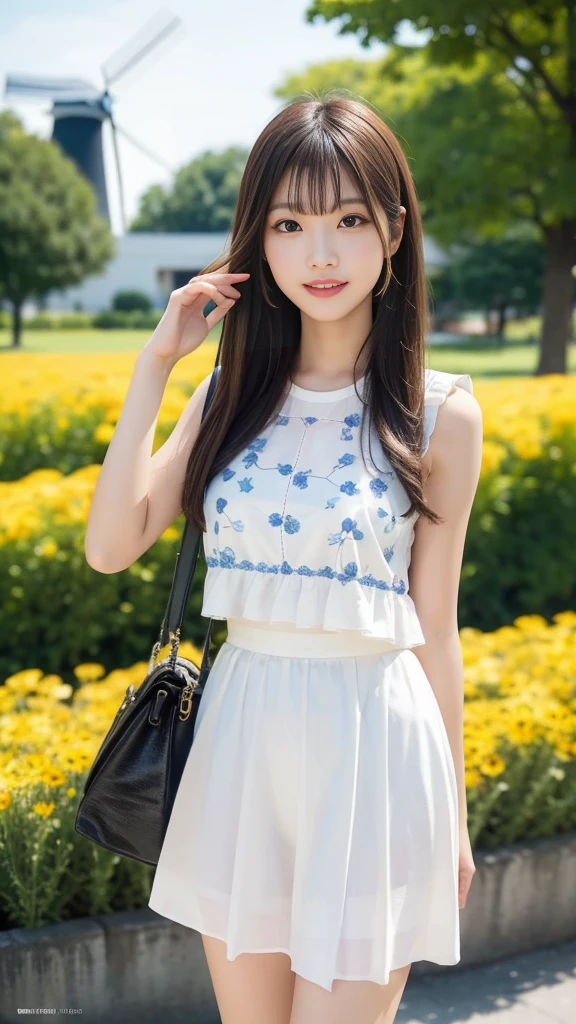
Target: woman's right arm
137,494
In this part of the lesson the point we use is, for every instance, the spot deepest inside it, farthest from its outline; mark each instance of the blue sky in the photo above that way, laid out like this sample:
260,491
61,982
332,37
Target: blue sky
208,89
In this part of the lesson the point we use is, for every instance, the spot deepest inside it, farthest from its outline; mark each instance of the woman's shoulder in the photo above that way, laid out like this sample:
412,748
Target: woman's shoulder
464,417
438,384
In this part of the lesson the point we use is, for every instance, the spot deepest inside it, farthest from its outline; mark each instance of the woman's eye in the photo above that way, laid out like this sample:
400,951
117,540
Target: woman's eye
349,216
354,216
285,222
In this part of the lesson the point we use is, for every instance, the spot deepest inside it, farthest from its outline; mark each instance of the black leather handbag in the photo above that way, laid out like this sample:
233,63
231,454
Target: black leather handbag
130,788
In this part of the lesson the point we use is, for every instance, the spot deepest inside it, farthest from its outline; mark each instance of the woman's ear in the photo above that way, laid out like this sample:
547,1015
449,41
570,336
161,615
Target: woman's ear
399,231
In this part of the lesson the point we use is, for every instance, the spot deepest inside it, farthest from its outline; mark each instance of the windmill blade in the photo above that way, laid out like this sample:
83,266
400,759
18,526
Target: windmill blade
144,149
119,173
149,38
46,85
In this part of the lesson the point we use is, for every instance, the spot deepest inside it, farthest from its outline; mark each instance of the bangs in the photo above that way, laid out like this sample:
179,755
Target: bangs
316,163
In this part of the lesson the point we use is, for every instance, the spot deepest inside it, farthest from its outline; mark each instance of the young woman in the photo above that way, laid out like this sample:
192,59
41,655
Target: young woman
319,838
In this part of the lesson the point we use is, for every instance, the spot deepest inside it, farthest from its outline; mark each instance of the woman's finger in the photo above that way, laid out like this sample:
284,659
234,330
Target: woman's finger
190,292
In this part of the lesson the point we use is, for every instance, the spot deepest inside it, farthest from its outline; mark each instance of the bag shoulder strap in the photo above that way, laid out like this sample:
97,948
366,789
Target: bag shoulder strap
186,558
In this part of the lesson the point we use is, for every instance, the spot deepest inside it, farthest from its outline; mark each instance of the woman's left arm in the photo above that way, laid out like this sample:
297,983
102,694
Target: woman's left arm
453,458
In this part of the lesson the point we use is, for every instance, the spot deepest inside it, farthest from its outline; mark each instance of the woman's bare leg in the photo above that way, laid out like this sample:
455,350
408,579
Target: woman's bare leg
255,988
360,1002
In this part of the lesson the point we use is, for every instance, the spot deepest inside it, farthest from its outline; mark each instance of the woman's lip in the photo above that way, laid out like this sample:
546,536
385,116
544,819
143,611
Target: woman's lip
325,292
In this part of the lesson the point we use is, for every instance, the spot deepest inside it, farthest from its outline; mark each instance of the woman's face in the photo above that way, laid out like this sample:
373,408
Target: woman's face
342,246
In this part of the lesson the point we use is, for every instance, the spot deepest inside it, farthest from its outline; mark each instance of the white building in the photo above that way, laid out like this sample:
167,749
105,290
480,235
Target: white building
150,262
157,263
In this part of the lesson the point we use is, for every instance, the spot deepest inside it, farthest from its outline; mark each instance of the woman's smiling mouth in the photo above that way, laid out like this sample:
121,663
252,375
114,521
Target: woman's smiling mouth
325,288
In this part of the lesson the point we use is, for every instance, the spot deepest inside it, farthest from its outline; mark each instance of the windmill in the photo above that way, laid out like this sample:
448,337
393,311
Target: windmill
79,109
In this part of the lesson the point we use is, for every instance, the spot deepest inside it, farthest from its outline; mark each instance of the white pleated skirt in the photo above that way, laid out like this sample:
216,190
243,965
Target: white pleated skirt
317,813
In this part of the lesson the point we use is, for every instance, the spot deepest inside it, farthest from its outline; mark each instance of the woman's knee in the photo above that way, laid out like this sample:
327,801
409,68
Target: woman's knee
254,988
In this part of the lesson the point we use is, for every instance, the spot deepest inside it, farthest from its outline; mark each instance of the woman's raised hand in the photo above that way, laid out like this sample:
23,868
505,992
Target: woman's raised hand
183,326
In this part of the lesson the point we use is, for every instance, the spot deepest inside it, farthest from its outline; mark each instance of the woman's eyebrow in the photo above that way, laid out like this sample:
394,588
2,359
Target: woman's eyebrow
344,202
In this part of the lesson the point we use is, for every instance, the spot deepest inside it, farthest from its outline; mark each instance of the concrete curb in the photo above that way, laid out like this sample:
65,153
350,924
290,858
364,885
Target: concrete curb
138,966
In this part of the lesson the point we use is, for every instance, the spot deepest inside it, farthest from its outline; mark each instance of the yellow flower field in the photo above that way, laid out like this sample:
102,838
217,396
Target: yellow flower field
519,413
91,379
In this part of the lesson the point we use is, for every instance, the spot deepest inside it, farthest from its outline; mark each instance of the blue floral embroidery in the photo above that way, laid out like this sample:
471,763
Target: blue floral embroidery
236,524
255,446
291,525
226,559
348,526
383,514
301,479
346,434
351,570
350,421
251,459
349,487
378,487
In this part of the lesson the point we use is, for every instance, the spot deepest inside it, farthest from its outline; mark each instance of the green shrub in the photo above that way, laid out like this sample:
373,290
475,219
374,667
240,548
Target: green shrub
75,322
128,301
113,618
110,319
520,555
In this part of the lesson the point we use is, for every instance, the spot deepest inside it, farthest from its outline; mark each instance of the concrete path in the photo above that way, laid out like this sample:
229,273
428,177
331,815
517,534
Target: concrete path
534,988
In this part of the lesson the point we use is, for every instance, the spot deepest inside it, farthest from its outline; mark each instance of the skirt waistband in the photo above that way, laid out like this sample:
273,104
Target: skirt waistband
304,644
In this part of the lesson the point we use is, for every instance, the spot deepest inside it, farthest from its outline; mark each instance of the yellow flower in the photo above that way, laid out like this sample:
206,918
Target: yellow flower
5,799
88,671
77,761
25,681
46,550
493,453
171,533
43,808
493,765
472,778
53,777
104,433
70,792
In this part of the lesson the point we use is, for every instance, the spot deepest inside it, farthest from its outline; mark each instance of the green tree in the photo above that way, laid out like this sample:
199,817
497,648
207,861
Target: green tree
479,166
494,275
51,236
531,45
202,198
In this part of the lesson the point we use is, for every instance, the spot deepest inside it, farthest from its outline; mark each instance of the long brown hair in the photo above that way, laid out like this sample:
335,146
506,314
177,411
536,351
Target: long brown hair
261,333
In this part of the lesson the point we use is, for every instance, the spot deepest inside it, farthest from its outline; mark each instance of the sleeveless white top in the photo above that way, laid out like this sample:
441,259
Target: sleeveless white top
299,531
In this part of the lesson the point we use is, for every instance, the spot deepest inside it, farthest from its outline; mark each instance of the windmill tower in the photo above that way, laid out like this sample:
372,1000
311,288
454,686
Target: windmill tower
80,109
